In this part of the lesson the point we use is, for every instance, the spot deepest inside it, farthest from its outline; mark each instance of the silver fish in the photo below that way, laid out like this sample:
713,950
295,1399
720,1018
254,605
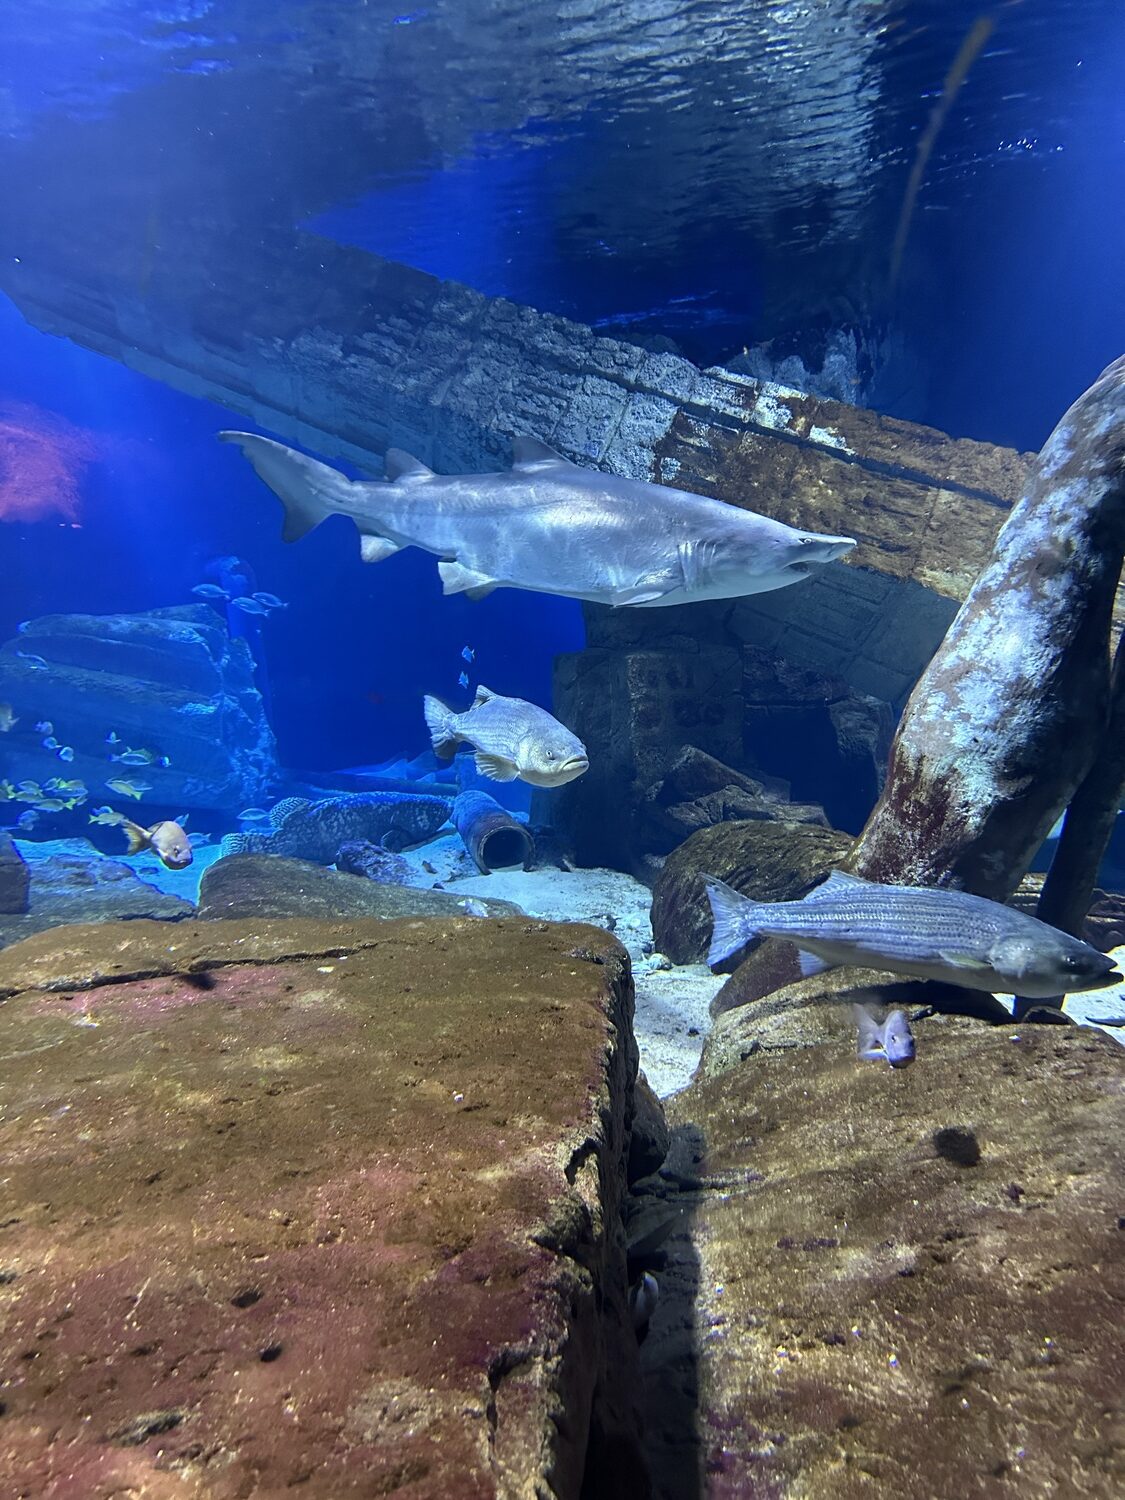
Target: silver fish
511,738
916,930
271,601
890,1039
467,653
249,606
547,525
210,591
65,752
463,679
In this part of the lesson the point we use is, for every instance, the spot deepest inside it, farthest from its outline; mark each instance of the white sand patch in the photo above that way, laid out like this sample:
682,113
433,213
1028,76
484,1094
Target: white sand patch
672,1016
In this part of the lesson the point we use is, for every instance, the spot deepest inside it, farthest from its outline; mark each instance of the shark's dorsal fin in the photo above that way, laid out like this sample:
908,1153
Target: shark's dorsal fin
400,465
484,695
530,453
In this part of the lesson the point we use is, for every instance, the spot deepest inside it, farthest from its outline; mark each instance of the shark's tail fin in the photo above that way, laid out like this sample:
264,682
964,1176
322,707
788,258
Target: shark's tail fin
733,918
442,724
309,490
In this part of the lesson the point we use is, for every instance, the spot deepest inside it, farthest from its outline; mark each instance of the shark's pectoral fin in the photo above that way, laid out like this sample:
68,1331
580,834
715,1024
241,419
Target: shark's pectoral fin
495,767
645,592
373,549
530,453
456,579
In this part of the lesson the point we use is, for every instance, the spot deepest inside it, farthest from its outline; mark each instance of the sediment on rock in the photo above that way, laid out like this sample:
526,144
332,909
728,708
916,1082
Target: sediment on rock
329,1205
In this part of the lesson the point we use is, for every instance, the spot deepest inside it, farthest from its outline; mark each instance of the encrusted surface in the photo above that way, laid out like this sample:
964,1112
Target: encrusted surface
910,1282
295,1204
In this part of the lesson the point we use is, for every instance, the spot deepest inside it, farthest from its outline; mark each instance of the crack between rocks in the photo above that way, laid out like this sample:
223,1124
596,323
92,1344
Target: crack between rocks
203,966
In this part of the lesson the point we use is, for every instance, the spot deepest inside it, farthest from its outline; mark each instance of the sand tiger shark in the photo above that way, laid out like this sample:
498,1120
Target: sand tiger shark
547,525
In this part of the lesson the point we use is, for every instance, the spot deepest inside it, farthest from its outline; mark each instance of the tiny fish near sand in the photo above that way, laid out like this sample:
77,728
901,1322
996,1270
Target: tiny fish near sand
916,930
512,738
889,1039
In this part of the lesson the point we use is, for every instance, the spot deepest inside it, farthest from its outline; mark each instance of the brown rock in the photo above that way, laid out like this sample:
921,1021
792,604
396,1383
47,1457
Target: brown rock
635,711
910,1282
298,1204
15,879
270,885
768,861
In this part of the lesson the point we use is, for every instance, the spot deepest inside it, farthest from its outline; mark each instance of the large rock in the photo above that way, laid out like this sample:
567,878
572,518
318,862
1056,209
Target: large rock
171,681
832,743
66,887
333,1207
635,711
906,1283
242,886
698,791
15,879
768,861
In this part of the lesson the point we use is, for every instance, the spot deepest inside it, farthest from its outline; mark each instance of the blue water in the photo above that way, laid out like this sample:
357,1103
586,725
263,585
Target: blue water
703,178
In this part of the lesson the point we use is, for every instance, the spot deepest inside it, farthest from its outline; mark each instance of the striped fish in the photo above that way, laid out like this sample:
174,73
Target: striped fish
922,932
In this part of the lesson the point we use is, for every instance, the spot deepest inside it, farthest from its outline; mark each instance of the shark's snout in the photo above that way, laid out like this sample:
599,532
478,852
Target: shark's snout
824,549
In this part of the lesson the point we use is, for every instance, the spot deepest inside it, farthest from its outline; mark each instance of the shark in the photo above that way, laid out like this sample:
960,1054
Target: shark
547,525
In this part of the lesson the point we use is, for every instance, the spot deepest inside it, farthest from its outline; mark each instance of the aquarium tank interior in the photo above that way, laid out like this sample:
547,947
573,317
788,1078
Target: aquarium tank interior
562,746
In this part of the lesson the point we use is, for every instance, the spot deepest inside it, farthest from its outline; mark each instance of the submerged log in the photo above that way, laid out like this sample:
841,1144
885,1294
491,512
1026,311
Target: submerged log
1069,887
1006,722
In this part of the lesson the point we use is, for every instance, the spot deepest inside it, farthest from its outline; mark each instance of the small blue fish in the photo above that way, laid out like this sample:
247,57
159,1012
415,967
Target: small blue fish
890,1040
65,752
164,762
50,743
254,815
24,625
27,820
44,727
36,663
271,601
249,606
197,839
113,738
464,679
210,591
467,653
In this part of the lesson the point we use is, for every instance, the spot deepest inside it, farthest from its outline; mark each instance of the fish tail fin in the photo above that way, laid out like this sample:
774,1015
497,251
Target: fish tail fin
732,917
308,490
442,724
136,836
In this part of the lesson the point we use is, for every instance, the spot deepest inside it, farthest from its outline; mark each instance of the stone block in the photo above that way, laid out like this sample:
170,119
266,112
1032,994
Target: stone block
333,1207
